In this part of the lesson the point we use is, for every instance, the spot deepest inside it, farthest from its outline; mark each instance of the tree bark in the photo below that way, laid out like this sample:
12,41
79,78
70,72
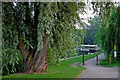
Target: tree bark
34,63
41,63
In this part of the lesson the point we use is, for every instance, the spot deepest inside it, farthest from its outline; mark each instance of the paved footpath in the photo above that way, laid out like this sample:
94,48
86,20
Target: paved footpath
97,71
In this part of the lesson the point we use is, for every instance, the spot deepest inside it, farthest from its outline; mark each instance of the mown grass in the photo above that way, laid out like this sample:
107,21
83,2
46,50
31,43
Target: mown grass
63,70
0,77
105,63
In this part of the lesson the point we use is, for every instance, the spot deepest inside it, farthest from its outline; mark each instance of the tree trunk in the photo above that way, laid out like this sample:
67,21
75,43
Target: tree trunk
43,66
31,62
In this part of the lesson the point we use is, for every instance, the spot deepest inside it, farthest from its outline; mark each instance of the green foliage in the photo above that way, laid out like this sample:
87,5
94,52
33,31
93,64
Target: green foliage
11,57
105,63
0,40
102,8
51,59
63,30
78,37
31,21
12,61
91,31
108,34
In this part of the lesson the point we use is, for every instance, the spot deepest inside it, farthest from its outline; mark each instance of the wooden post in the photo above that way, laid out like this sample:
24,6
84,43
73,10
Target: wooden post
109,58
83,58
96,59
115,59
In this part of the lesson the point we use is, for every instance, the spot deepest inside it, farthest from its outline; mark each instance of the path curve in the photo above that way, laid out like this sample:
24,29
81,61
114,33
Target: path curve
97,71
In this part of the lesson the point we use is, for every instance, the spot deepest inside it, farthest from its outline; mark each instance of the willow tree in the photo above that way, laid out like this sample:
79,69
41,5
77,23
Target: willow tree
108,34
35,28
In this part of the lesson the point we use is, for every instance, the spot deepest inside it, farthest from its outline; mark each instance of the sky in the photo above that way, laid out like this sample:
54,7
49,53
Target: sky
86,16
89,11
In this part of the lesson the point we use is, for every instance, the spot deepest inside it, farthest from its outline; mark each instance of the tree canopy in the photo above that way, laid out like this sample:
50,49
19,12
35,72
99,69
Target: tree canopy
91,31
108,34
33,29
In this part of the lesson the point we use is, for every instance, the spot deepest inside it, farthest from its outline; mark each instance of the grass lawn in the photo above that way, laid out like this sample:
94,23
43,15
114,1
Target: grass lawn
0,77
105,63
63,70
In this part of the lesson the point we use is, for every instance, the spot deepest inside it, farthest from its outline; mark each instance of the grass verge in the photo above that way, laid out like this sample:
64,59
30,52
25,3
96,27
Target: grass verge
0,77
63,70
105,63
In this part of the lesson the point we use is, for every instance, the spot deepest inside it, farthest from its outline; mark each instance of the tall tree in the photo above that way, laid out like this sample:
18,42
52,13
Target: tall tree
37,29
91,31
108,34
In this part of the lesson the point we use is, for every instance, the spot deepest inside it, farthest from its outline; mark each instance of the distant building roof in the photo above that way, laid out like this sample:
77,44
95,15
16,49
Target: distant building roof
89,45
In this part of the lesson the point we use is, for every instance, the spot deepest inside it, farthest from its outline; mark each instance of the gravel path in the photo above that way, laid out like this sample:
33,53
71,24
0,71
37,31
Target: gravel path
97,71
